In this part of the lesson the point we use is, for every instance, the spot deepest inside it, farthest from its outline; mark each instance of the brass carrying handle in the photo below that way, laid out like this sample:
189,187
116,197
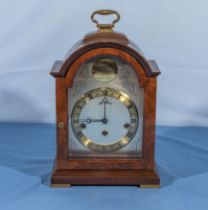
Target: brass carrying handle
105,27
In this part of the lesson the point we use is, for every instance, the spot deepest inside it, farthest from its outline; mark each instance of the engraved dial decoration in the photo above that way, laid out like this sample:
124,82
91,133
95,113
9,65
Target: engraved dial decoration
104,119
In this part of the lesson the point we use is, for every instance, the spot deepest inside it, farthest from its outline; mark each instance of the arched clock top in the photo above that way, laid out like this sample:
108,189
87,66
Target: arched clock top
109,40
102,52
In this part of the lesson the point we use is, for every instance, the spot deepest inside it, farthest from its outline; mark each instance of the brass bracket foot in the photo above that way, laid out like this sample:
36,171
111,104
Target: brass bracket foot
149,186
60,185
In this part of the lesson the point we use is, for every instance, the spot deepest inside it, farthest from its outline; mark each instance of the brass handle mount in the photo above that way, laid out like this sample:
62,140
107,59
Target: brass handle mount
105,27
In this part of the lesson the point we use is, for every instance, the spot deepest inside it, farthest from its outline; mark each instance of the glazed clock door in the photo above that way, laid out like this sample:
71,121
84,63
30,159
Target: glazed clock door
105,110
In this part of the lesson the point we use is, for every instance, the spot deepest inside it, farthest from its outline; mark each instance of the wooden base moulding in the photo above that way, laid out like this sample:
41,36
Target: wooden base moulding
146,178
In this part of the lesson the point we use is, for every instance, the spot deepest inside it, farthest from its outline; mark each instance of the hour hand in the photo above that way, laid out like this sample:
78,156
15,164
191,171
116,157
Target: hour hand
88,120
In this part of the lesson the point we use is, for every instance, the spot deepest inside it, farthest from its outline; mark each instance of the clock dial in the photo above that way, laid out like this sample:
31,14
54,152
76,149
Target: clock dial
104,119
105,106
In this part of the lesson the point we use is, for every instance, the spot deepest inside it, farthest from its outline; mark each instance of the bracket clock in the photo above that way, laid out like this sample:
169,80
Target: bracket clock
105,111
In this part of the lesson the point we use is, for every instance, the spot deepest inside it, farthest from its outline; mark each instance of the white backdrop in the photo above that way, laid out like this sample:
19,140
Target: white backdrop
34,33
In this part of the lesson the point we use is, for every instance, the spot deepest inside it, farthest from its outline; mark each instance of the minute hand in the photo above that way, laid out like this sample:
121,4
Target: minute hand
105,102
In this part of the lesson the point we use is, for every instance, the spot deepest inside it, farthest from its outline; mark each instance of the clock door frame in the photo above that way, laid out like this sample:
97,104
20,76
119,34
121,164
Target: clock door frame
103,171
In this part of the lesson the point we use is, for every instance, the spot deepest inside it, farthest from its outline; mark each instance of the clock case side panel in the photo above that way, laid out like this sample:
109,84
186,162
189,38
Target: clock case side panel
68,171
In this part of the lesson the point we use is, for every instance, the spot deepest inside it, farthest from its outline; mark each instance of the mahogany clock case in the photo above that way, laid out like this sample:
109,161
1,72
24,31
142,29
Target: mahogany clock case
105,171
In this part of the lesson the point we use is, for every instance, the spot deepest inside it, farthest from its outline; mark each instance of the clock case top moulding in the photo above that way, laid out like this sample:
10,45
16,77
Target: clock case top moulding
87,171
